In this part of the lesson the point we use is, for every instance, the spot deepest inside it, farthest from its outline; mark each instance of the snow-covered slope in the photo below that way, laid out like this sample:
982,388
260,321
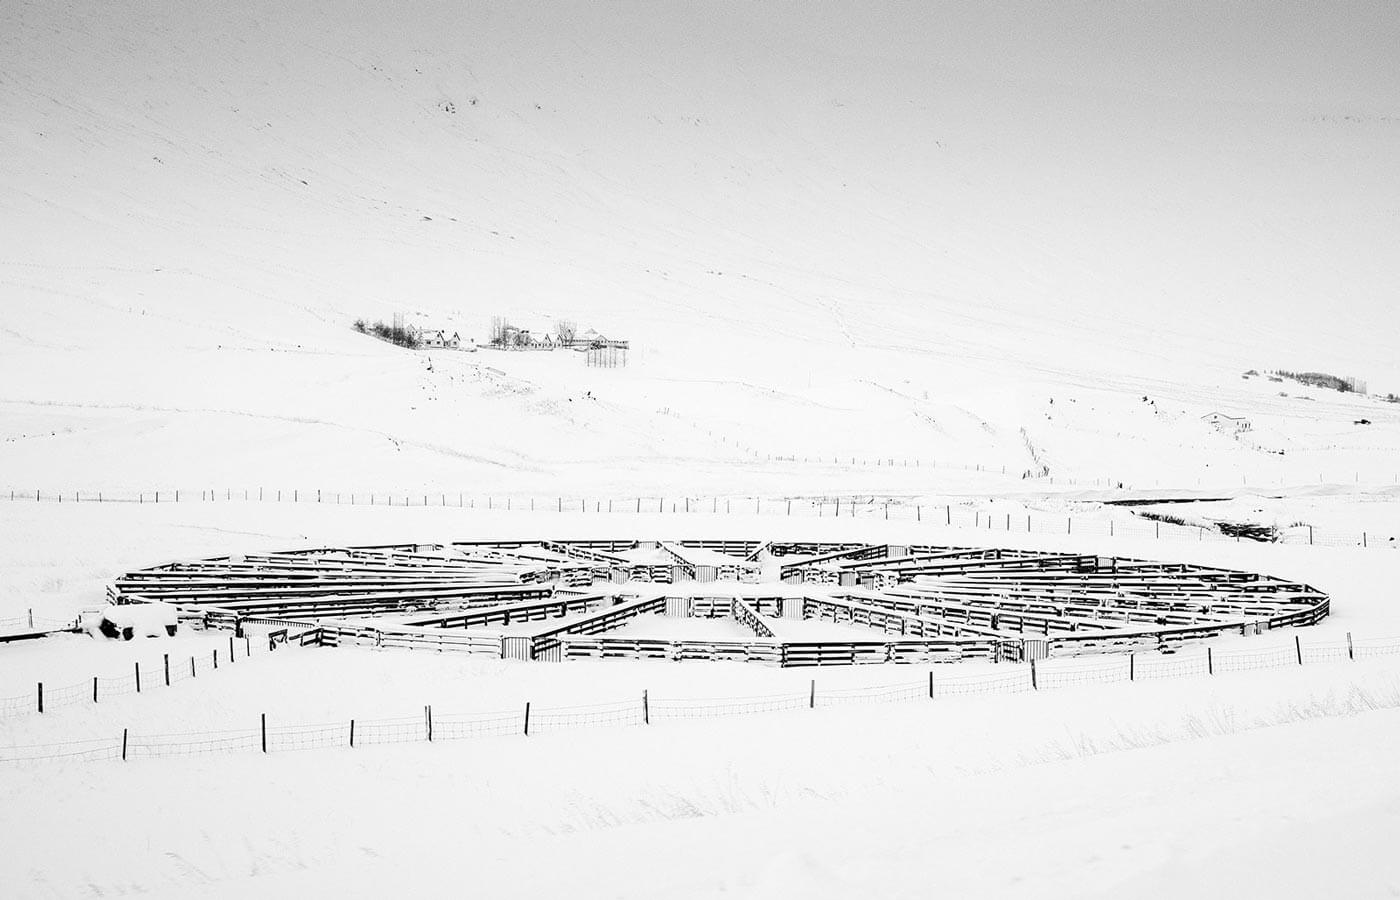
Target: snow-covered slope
865,230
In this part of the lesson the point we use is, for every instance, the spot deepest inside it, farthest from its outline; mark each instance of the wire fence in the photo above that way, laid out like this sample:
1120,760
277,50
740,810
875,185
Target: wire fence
643,711
168,672
30,624
965,515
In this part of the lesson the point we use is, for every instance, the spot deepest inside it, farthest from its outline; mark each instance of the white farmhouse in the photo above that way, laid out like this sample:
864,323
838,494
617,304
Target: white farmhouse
1227,423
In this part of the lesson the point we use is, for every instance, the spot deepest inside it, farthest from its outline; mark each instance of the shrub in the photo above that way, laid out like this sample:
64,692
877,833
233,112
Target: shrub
394,334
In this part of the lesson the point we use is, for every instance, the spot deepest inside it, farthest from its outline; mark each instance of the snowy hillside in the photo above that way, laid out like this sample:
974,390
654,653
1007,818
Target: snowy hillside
898,234
976,309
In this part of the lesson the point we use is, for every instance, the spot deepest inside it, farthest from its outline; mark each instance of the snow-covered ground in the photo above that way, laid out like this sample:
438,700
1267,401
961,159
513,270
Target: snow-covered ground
962,268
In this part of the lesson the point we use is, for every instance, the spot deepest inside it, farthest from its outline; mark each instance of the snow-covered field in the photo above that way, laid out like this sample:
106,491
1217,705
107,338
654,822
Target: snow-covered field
962,268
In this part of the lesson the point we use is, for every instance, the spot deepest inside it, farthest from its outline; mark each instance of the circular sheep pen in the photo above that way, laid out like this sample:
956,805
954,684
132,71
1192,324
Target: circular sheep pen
786,603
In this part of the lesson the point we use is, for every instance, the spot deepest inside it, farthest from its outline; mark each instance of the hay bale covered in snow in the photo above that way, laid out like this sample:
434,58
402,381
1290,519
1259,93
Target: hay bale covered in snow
133,620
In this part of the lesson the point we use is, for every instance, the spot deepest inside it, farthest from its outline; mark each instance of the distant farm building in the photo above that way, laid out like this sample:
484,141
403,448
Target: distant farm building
440,340
1223,422
562,336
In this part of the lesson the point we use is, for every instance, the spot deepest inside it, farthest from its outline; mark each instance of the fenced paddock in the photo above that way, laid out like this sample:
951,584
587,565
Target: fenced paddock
266,734
557,600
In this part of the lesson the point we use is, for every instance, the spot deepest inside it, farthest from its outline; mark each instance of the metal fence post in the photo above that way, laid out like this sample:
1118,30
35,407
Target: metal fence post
1351,654
138,678
646,710
264,732
41,696
812,697
527,718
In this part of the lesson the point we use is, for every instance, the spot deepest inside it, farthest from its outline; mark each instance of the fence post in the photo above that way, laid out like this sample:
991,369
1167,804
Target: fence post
192,667
1132,667
428,711
948,514
930,685
167,670
41,696
1210,662
94,689
1310,535
527,718
230,648
216,658
352,732
264,732
1351,654
646,710
1363,540
1035,685
123,744
812,697
138,678
1298,643
247,646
